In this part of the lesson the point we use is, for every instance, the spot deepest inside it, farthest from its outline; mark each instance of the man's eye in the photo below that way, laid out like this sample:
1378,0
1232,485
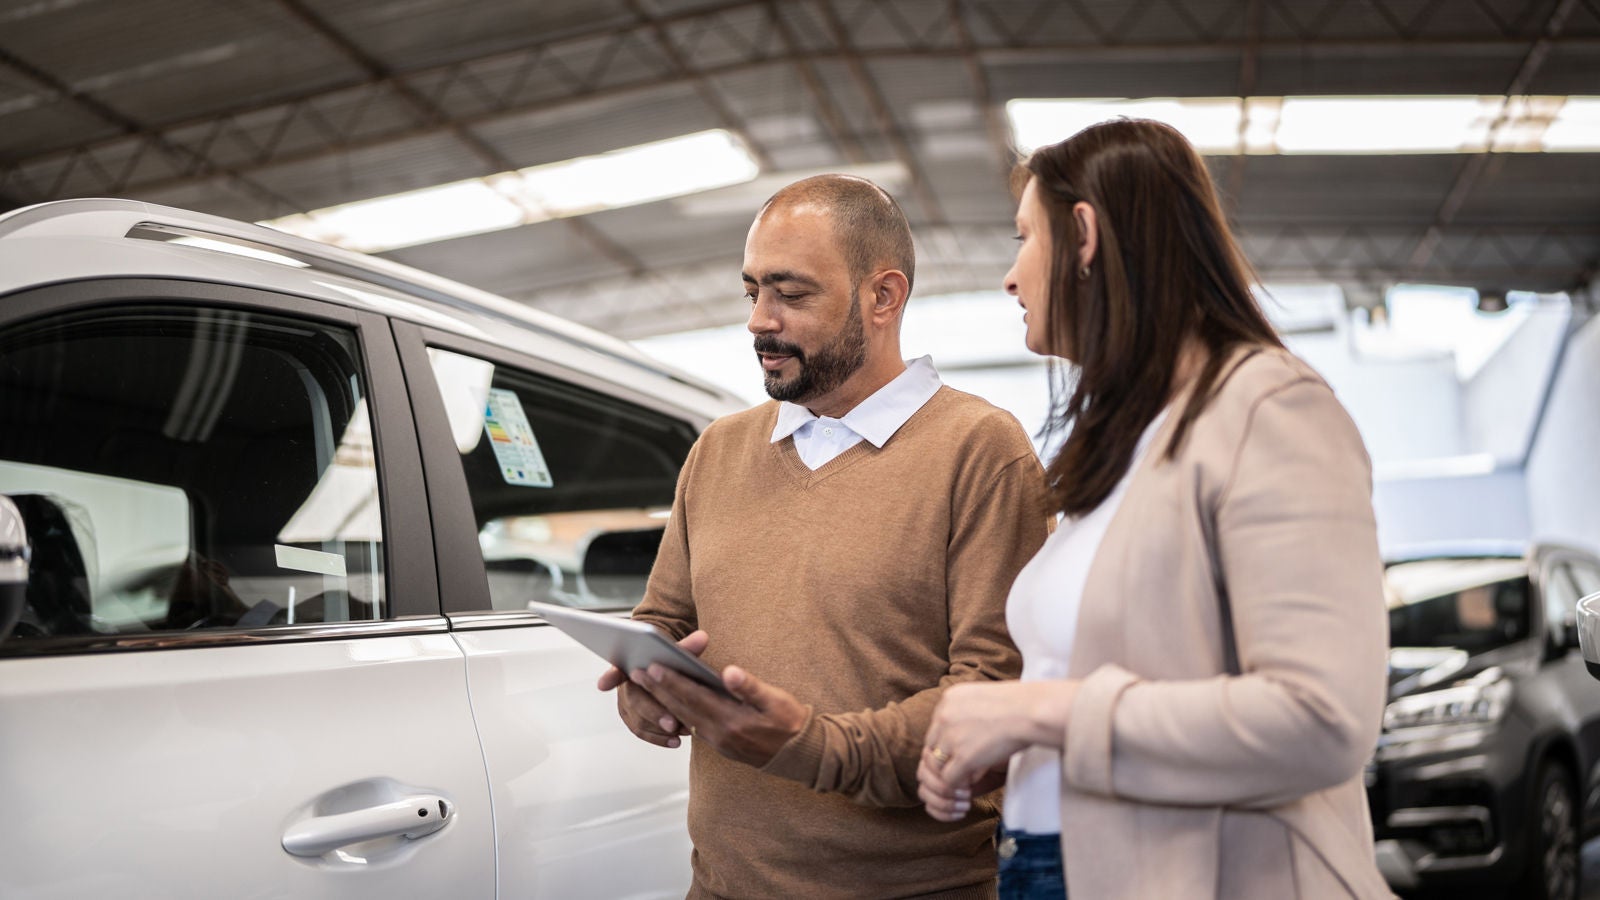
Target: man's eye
1018,238
750,295
789,298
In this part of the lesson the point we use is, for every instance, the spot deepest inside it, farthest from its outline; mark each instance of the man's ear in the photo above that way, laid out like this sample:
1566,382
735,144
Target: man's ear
1088,232
889,292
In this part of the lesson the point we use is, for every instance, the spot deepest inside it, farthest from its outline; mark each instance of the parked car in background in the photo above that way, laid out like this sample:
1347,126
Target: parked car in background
284,507
1589,632
1486,778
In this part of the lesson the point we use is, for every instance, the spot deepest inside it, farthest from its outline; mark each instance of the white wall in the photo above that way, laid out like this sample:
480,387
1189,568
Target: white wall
1444,397
1563,473
1501,400
1432,510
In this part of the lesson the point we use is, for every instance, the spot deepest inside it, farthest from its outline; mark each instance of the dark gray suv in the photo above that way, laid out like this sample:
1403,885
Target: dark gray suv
1486,778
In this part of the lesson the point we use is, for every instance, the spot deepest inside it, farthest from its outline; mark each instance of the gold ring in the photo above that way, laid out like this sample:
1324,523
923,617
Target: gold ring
940,754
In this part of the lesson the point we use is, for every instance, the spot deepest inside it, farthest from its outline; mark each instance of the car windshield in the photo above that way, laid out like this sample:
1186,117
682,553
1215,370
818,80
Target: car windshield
1472,604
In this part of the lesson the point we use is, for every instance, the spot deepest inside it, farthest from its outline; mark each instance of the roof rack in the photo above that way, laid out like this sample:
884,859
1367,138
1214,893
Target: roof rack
116,218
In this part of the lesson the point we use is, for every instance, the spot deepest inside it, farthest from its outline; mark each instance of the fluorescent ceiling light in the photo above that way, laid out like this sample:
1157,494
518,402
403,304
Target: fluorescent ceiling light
745,198
626,177
1576,127
1210,123
415,217
671,168
1384,124
1333,125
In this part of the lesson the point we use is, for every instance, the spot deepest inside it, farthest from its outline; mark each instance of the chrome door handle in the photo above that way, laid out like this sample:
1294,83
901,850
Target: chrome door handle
410,817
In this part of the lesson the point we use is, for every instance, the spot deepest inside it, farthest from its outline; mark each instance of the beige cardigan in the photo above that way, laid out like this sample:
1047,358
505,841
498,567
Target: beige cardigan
1178,780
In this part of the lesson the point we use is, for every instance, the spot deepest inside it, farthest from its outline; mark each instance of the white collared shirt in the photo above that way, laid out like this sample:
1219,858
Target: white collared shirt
818,439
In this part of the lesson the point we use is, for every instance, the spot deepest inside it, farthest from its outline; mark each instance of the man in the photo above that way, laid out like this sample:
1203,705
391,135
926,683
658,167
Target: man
853,542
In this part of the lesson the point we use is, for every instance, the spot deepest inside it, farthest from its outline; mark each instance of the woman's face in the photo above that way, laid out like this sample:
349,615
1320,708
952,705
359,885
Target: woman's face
1029,278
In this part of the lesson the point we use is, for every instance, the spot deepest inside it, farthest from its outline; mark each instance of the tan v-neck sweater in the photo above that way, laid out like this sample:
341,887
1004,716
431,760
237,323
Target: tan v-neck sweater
864,587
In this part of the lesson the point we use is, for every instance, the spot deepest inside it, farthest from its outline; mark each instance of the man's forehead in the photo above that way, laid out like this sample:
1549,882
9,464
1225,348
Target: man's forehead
797,244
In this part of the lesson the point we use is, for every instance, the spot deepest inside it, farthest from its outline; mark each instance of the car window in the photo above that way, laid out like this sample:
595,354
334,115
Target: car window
570,488
1470,604
1585,577
183,468
1560,600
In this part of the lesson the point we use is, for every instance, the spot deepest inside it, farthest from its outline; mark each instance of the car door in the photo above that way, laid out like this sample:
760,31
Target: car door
548,484
232,678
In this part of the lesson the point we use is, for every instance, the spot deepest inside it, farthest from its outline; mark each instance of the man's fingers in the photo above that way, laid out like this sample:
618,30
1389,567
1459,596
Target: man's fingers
747,688
682,697
646,717
696,642
611,679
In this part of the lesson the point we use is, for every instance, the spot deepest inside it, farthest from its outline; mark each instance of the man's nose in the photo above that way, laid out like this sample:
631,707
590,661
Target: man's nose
762,320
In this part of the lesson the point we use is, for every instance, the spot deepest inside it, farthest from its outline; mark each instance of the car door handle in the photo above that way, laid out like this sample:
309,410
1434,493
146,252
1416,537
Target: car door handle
410,817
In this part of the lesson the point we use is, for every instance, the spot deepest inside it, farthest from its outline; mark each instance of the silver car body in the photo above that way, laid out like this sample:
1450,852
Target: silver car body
211,764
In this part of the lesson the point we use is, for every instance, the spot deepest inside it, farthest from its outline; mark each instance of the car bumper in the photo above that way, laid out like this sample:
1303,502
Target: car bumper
1451,817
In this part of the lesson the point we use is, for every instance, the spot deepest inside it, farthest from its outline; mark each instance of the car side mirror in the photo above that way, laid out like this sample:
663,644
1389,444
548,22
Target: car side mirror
14,554
1589,632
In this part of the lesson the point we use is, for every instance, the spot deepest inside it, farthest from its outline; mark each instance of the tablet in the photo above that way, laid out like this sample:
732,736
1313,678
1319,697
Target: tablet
627,644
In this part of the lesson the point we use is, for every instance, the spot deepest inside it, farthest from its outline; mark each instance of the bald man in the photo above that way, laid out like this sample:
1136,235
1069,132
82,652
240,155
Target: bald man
841,554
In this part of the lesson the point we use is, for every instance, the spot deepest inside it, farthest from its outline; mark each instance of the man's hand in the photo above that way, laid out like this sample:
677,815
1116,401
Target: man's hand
750,729
643,714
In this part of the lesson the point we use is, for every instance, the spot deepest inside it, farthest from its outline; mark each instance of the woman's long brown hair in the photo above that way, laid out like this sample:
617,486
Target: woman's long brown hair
1167,268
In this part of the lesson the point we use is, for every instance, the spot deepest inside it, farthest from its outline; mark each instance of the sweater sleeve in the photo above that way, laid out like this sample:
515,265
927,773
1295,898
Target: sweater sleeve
998,523
668,600
1298,545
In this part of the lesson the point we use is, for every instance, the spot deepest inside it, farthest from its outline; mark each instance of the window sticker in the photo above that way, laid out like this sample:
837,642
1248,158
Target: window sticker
315,561
515,448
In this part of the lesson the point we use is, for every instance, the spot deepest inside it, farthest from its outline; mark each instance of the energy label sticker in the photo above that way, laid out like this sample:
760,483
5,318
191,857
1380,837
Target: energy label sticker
515,448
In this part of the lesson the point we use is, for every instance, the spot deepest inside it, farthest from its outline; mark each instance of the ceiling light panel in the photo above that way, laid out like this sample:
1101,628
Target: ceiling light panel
627,177
1334,125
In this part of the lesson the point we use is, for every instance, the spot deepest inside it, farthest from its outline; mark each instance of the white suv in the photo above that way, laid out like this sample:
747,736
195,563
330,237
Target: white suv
285,507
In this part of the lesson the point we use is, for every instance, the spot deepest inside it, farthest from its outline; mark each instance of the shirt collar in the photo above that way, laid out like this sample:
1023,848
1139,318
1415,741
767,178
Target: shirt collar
879,416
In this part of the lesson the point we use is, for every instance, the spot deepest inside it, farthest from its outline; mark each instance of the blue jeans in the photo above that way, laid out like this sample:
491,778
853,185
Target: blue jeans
1030,866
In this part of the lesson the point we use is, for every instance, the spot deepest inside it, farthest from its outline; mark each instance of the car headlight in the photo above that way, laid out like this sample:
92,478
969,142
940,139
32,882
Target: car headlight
1451,718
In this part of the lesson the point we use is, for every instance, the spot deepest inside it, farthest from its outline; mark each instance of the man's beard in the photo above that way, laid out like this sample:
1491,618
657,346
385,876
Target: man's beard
822,371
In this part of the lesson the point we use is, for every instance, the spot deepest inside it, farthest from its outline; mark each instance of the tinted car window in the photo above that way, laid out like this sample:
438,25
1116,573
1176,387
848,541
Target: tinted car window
570,488
183,468
1561,595
1473,605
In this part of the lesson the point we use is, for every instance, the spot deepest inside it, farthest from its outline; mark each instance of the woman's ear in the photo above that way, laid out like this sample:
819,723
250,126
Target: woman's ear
1088,233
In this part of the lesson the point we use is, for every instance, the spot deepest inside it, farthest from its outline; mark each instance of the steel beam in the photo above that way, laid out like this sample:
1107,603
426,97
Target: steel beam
285,113
702,84
994,125
431,115
186,158
826,109
868,86
1249,66
1473,169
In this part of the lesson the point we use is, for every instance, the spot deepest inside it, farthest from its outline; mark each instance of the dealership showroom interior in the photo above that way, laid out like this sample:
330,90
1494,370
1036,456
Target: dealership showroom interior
1164,471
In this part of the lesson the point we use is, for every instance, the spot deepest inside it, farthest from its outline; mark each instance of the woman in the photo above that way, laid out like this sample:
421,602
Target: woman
1204,635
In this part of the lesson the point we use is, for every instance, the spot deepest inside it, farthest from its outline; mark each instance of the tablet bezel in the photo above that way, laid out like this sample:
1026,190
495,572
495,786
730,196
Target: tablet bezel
627,644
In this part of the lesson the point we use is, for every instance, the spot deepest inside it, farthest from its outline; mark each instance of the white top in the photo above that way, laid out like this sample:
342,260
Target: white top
819,439
1042,614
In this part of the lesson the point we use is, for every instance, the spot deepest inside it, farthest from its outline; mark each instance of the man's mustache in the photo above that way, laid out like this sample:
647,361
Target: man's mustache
769,344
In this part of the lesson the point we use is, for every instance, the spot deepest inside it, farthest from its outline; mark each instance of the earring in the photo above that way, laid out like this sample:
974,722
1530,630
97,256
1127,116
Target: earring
1083,272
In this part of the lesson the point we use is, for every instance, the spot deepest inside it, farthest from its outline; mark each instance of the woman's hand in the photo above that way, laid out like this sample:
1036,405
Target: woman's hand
975,730
949,802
